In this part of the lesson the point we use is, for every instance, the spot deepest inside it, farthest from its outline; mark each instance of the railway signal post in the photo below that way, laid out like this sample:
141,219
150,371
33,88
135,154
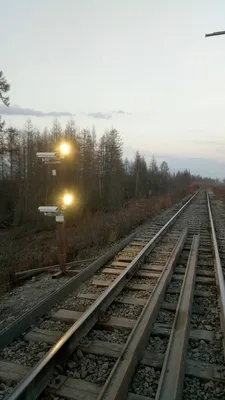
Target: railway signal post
58,211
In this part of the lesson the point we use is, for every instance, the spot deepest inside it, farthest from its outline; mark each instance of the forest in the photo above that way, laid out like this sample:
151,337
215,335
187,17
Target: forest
112,194
95,172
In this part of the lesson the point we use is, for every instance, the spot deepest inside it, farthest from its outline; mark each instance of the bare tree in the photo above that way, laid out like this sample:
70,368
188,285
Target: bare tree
95,171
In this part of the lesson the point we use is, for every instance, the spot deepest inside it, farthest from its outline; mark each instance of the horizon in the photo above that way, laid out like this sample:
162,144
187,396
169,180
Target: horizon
196,165
160,85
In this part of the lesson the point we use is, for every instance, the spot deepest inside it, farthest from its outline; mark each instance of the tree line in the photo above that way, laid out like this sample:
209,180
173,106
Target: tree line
96,171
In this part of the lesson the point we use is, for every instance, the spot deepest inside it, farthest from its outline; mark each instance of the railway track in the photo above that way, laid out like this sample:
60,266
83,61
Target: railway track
146,326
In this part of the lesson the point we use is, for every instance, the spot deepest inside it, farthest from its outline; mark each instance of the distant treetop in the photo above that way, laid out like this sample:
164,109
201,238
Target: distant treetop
4,89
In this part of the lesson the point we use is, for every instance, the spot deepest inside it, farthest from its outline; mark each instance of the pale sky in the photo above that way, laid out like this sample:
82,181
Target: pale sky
148,58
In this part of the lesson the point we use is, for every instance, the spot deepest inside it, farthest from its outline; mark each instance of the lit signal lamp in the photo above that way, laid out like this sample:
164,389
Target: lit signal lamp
54,157
67,199
64,149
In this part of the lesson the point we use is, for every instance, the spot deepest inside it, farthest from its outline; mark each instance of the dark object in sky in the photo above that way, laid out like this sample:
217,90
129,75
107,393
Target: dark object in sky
215,34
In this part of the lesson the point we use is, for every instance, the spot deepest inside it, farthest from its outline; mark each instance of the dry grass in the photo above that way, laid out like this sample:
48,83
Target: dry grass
19,251
219,193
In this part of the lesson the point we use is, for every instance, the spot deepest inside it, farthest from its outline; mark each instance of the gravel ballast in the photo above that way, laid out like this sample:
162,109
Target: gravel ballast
195,389
21,299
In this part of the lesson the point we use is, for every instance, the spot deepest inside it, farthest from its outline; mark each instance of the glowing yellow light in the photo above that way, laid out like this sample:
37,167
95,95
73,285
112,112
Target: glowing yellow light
64,148
67,199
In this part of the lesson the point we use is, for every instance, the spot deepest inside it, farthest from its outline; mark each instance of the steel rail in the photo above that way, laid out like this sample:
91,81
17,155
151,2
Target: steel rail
35,382
172,375
218,268
118,383
22,323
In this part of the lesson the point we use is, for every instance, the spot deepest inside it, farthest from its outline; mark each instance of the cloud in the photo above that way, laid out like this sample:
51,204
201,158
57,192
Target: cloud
99,115
102,115
121,112
16,110
210,142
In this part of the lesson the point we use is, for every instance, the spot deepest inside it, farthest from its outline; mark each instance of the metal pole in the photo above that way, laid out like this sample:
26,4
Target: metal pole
61,242
215,33
60,228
